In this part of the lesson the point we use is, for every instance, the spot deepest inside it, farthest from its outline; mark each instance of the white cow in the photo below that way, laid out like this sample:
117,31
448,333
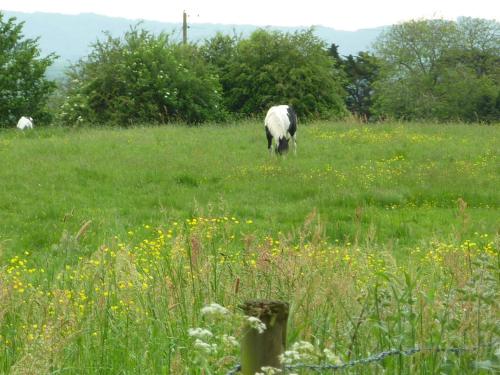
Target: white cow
281,125
25,123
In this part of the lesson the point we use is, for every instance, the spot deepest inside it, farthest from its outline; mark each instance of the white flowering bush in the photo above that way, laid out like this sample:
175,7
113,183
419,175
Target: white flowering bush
142,78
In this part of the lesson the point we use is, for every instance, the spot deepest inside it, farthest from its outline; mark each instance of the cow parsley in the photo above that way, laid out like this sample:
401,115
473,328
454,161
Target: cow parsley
200,333
256,323
205,347
214,309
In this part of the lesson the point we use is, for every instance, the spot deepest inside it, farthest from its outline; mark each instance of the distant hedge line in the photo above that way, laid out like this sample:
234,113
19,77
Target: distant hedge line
428,69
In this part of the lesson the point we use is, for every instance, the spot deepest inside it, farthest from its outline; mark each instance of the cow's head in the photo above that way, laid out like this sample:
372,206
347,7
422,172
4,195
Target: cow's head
282,146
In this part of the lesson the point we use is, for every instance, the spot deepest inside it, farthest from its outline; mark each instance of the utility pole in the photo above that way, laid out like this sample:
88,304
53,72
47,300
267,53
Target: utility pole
184,28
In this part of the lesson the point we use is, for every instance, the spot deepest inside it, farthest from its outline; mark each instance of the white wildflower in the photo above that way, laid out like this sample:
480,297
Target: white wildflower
290,356
268,370
200,333
256,323
303,346
214,309
205,346
230,340
331,357
301,351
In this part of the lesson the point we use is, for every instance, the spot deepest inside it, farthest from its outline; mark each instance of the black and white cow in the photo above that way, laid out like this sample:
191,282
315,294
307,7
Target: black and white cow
281,125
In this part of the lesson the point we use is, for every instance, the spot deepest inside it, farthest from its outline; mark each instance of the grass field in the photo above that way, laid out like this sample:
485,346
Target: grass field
380,236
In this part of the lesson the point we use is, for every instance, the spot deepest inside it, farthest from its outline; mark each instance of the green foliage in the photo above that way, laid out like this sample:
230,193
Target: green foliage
272,67
465,95
23,87
142,78
440,69
360,73
220,51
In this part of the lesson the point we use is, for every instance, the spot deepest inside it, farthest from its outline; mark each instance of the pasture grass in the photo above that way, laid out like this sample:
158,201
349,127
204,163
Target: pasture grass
380,236
392,185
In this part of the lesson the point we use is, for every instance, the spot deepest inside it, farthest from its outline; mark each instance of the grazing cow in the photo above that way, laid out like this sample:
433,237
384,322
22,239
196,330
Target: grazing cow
281,125
25,123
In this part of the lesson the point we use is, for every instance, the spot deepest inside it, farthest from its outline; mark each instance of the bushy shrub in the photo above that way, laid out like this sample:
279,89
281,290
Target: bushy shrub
142,78
272,67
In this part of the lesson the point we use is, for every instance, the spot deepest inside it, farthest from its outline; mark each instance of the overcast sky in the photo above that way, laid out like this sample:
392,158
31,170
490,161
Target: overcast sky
341,15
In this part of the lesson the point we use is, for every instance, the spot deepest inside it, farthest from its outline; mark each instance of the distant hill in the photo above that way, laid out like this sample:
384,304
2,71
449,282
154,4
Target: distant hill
71,36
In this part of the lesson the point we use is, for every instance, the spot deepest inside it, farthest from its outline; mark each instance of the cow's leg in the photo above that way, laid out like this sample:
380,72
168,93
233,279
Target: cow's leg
269,141
294,138
292,127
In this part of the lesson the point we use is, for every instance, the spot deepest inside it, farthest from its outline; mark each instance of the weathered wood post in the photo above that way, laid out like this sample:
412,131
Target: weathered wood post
264,349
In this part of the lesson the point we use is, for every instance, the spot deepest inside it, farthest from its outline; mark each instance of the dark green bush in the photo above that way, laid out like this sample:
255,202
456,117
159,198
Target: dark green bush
272,67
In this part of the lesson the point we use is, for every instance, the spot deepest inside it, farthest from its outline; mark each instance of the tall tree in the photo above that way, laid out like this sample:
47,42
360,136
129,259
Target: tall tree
272,67
24,90
361,72
439,69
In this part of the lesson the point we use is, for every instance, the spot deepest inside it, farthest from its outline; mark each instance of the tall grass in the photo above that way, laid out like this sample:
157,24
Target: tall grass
112,241
129,306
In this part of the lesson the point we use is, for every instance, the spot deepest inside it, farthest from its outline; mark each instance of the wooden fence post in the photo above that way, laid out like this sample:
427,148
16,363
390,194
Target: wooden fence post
264,349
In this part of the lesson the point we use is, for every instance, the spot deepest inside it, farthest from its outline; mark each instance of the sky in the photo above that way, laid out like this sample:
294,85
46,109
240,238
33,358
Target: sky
341,15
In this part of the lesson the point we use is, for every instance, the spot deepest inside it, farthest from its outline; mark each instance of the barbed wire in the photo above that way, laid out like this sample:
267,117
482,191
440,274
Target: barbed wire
234,370
373,358
378,357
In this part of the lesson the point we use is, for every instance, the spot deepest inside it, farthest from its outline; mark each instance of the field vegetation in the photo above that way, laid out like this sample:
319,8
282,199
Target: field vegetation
129,249
379,236
420,70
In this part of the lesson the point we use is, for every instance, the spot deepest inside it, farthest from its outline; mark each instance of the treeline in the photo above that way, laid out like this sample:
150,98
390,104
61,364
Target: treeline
419,70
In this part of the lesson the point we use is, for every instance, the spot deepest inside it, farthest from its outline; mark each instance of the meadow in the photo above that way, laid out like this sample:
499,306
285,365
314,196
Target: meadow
379,236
